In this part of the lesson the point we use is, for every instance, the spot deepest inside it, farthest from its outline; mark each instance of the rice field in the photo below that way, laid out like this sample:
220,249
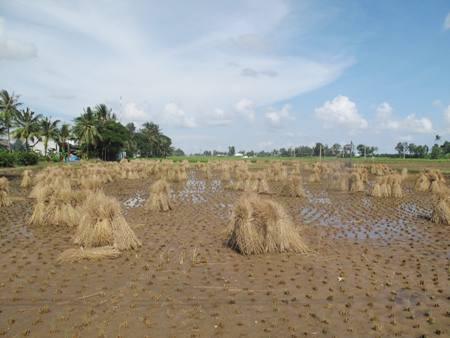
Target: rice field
225,248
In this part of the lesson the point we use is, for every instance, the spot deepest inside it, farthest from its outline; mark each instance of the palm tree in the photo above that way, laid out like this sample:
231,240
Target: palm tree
49,130
63,136
153,133
103,113
86,129
9,106
28,126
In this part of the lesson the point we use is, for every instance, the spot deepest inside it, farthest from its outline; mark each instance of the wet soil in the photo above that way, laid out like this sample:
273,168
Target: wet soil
379,268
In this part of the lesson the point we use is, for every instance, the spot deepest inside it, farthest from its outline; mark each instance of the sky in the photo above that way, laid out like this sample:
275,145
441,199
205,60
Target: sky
254,74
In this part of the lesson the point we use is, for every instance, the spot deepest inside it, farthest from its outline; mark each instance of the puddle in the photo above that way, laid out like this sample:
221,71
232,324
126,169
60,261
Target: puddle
322,198
192,191
406,297
386,229
134,202
20,231
383,229
414,210
367,203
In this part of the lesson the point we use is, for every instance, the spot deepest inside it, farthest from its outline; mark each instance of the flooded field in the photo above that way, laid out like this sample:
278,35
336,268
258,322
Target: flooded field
377,267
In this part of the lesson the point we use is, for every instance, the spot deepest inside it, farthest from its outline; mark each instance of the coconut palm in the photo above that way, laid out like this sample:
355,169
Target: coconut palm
63,136
153,133
49,130
103,113
9,106
86,129
27,126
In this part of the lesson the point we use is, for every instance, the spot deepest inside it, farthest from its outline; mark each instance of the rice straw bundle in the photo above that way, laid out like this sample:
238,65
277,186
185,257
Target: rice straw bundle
26,179
261,184
5,201
260,226
159,197
441,210
376,190
356,184
396,190
292,187
102,224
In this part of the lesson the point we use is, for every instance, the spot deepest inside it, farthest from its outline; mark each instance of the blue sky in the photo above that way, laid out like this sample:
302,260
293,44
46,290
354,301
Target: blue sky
254,74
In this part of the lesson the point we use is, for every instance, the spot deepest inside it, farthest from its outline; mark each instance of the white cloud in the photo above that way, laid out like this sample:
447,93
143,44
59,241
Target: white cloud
131,113
341,112
218,117
417,125
447,22
14,49
264,145
174,116
190,63
437,103
384,110
410,123
276,118
447,115
246,108
171,115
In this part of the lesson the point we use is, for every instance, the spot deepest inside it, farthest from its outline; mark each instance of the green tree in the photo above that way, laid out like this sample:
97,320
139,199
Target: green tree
27,126
231,151
336,149
178,152
114,137
64,133
49,131
103,113
9,106
445,148
435,151
152,132
401,148
318,149
86,130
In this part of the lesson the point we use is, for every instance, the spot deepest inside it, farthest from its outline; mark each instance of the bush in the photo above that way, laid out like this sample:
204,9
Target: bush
7,159
54,157
26,158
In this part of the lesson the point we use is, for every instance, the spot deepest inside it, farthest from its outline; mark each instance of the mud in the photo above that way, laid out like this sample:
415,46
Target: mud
379,267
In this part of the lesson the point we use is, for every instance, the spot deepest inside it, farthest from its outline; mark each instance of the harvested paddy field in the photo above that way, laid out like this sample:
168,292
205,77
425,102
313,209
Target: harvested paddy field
374,266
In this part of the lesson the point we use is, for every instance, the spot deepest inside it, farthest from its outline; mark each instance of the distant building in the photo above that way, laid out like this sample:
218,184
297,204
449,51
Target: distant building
238,155
51,146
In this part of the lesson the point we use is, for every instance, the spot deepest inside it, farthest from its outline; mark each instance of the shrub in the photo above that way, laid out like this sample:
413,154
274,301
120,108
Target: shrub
55,157
26,158
6,159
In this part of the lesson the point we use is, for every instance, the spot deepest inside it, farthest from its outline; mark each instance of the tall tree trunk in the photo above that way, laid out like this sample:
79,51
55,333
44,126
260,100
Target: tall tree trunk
45,147
26,144
9,140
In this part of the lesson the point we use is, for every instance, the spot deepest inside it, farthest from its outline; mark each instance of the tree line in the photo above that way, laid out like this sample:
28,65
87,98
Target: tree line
403,149
95,133
319,149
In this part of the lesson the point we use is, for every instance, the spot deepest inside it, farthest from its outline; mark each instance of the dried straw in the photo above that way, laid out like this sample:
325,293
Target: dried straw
262,226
